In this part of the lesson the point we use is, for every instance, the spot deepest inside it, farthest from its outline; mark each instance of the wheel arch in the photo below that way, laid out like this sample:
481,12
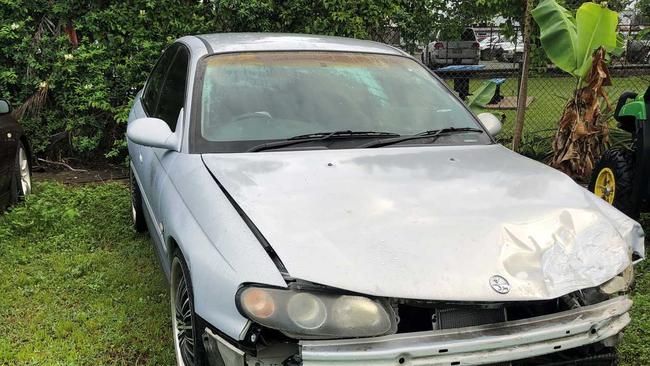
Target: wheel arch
221,252
172,246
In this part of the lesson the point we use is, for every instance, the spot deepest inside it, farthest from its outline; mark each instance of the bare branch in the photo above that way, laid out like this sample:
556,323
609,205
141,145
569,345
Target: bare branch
62,164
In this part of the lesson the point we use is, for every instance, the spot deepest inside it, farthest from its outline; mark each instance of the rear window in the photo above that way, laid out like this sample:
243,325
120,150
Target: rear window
466,34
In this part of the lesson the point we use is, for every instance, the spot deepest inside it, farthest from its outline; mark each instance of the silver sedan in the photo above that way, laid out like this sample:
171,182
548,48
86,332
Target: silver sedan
329,201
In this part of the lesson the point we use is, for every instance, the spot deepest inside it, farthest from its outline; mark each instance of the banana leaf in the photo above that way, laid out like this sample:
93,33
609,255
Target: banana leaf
620,45
558,34
596,28
482,96
570,43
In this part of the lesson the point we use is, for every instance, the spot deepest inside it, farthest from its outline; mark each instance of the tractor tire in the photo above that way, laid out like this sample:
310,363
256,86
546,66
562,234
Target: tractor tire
620,165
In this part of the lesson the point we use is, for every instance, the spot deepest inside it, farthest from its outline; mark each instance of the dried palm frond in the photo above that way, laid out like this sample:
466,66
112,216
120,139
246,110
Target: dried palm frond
35,103
583,133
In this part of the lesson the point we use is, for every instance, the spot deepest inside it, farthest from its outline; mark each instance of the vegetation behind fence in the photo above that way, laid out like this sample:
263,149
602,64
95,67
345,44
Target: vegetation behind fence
71,68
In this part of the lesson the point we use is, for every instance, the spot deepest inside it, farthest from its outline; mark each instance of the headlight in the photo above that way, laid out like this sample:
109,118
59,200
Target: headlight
620,283
312,314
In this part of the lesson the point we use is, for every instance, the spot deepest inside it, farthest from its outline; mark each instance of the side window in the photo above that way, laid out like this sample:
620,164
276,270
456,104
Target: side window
156,78
172,93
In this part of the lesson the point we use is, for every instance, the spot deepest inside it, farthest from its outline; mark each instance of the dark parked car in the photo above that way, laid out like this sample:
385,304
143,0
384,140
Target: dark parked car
15,158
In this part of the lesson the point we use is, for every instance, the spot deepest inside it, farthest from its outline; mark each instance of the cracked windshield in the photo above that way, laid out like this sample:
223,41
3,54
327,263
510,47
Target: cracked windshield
279,95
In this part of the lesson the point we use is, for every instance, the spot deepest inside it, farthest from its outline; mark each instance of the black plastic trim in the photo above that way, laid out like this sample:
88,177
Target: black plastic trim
622,100
641,191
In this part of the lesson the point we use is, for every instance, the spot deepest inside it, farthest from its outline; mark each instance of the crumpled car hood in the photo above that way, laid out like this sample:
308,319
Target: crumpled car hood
431,222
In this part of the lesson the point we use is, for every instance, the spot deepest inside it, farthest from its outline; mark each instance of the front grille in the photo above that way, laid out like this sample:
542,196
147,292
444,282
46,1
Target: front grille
418,316
467,317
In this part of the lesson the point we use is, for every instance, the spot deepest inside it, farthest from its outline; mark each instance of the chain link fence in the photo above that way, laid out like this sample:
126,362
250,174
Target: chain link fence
477,54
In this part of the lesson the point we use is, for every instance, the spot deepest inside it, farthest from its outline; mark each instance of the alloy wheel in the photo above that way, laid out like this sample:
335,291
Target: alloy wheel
182,323
25,174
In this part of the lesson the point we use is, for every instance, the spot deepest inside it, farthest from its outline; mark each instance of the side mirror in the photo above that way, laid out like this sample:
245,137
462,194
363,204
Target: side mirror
5,107
152,132
491,123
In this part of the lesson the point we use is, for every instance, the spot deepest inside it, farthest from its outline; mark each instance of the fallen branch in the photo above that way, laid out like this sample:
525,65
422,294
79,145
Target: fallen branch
62,164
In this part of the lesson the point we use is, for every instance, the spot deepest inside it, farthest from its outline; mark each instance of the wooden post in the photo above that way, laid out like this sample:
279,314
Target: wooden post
522,97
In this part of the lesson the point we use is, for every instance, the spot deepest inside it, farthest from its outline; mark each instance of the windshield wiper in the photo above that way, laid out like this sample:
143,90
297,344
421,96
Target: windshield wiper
319,136
432,134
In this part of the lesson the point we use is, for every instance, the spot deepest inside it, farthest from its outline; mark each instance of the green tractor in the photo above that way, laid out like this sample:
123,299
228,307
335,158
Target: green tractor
621,176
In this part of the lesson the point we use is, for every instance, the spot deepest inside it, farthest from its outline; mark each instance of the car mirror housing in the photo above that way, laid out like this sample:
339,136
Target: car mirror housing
491,123
5,107
152,132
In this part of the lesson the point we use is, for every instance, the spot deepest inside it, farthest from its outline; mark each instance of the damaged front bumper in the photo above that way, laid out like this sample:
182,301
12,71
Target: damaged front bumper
485,344
479,344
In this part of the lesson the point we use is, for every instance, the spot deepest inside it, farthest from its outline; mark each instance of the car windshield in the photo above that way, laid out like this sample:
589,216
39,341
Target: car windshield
247,98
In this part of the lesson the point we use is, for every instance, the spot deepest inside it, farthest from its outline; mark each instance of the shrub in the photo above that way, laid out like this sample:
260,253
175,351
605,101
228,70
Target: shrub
73,67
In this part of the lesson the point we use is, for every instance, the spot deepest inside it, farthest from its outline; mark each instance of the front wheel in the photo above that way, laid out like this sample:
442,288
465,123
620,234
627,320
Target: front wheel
188,344
613,180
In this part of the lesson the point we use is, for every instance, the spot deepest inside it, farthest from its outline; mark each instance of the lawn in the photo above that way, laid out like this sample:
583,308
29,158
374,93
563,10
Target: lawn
79,287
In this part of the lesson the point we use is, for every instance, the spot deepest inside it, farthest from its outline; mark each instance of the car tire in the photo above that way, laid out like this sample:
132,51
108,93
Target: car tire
21,181
188,342
137,211
613,180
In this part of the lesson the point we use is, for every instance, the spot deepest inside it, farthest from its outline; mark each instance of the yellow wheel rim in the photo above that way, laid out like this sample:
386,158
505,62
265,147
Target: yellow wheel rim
606,185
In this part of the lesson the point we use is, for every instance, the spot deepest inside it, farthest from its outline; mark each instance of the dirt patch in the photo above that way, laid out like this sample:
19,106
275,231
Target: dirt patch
81,174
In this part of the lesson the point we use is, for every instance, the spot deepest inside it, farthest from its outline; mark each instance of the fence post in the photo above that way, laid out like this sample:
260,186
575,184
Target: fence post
522,96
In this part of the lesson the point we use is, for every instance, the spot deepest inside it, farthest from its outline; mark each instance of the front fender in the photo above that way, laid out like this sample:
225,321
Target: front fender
220,250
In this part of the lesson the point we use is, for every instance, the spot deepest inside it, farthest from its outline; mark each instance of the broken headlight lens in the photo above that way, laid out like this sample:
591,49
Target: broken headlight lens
620,283
312,314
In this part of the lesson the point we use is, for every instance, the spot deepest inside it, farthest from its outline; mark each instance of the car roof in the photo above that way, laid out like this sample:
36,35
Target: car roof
245,42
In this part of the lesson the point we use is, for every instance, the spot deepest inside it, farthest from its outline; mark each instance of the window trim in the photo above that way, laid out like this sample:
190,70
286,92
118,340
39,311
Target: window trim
188,78
148,82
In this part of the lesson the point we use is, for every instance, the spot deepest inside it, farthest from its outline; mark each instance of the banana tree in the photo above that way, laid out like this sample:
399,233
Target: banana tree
580,47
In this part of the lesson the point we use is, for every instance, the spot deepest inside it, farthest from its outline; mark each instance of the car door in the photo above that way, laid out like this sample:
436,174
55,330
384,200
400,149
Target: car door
143,157
170,105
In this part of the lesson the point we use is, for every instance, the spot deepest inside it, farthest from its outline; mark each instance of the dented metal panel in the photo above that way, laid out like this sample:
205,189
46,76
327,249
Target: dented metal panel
477,345
431,222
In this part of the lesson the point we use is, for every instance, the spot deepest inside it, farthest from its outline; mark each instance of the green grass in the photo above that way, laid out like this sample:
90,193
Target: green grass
634,349
78,287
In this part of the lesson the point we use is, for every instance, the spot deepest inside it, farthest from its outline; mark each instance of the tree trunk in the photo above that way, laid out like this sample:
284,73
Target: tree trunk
522,97
583,133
